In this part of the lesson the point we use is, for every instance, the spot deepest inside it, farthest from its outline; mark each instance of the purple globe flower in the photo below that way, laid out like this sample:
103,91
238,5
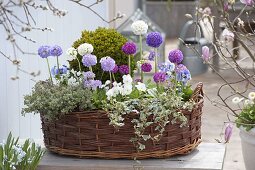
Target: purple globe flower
154,39
151,55
129,48
180,67
56,50
107,63
123,69
89,75
62,70
146,67
175,56
159,77
89,60
93,84
116,69
44,51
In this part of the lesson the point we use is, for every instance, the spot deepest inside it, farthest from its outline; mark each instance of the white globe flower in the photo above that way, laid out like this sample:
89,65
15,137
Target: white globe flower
85,49
72,53
139,27
251,95
237,100
141,86
127,79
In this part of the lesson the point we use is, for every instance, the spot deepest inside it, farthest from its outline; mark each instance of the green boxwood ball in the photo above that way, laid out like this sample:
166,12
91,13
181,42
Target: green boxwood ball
106,42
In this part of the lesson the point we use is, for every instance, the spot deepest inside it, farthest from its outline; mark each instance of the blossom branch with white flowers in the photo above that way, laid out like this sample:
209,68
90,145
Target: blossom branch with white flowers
16,26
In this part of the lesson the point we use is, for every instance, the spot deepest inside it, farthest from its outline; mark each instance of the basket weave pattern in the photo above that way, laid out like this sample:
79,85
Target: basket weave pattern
88,134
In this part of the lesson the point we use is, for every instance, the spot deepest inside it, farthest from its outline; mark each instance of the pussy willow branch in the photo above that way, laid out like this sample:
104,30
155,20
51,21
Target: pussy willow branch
15,26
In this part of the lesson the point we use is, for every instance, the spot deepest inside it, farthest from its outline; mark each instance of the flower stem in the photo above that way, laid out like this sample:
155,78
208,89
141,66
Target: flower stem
58,67
90,69
129,64
79,64
49,70
113,77
156,60
110,77
141,53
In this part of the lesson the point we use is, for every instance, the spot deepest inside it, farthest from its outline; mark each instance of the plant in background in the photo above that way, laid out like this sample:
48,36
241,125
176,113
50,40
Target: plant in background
19,156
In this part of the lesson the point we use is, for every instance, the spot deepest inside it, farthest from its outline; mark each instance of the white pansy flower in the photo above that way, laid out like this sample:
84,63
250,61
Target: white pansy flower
127,79
248,102
237,100
228,35
107,82
85,48
139,27
109,94
251,95
72,81
141,86
72,53
126,90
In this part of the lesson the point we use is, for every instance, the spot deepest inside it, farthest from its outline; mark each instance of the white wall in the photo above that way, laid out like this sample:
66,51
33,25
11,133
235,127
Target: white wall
66,30
124,6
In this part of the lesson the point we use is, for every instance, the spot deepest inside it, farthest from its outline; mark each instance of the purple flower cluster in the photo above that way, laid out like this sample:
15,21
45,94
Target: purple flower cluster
175,56
129,48
107,63
151,55
154,39
159,77
55,71
93,84
180,68
89,75
89,60
116,69
146,67
183,76
44,51
166,67
123,69
56,51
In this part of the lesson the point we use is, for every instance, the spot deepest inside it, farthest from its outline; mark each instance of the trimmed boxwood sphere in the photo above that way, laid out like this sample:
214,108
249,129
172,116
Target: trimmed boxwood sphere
106,42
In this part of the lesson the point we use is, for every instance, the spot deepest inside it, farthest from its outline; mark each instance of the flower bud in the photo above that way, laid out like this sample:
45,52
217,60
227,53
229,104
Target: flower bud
228,132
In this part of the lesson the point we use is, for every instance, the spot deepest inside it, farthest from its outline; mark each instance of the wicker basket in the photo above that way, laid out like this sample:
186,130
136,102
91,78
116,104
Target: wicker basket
88,134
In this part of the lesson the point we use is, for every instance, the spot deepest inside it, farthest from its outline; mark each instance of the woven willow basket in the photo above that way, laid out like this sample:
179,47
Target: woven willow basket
88,134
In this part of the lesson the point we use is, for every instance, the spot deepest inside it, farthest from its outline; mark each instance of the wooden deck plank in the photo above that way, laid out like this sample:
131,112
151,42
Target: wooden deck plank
208,156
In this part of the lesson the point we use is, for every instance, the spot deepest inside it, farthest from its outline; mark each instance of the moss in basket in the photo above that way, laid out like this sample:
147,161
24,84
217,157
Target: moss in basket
106,42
